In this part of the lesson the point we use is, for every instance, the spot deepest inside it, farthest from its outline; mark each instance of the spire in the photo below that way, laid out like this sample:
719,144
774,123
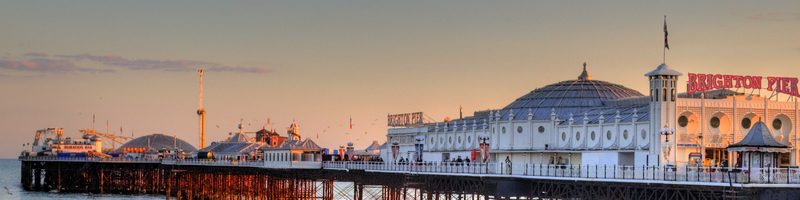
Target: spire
584,75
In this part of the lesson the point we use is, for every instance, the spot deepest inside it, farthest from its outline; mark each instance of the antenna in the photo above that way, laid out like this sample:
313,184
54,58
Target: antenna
201,112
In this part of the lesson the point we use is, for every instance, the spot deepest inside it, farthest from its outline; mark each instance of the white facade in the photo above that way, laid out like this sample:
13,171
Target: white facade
624,131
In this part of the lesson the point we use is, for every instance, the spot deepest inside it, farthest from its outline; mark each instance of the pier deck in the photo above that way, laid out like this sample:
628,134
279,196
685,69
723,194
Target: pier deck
211,179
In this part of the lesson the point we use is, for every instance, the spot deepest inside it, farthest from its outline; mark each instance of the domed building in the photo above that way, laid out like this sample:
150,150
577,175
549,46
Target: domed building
586,121
156,141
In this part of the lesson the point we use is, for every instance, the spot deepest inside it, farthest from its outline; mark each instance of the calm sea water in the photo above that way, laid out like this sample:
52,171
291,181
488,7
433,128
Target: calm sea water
10,170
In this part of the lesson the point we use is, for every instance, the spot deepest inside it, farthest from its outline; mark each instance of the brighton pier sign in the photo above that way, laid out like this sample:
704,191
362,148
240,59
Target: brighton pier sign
704,82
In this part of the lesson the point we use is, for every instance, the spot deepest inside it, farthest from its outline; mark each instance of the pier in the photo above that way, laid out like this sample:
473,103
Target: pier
234,179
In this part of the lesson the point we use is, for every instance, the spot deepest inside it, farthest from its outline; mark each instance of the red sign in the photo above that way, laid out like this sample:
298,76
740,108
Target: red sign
704,82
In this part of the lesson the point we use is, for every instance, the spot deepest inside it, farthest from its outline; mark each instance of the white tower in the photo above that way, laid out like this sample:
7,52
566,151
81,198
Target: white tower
663,93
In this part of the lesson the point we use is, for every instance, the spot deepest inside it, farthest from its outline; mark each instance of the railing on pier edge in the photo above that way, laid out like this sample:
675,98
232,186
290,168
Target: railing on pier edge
88,159
627,172
621,172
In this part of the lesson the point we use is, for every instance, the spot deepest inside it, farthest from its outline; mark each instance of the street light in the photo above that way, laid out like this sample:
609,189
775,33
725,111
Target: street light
395,149
419,146
667,132
667,146
484,146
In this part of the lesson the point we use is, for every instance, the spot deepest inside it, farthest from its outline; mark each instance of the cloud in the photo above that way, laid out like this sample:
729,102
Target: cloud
258,70
776,16
164,65
48,65
35,54
26,76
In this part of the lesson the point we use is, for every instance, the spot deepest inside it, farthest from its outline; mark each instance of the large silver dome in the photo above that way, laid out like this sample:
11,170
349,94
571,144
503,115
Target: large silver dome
565,97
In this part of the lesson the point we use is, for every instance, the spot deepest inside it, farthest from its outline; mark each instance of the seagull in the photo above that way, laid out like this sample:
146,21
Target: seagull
9,192
217,126
365,132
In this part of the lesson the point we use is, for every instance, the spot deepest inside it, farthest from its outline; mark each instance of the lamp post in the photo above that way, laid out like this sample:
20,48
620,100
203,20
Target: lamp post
395,149
666,147
419,146
484,146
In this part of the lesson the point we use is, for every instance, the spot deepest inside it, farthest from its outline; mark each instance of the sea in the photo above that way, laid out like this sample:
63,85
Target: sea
10,187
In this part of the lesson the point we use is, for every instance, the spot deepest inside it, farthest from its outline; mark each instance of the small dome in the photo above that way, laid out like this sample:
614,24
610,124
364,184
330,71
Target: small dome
294,125
159,141
86,136
96,138
663,69
350,144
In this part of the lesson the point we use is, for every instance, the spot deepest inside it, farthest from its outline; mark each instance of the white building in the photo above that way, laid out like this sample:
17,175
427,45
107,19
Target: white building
585,121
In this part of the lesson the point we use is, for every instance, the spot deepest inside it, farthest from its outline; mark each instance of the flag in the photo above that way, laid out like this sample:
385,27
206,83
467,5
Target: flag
106,125
92,118
120,130
666,44
351,122
318,136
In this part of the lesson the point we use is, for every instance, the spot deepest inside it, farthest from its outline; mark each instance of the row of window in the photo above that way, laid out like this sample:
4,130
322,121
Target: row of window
593,136
777,124
655,96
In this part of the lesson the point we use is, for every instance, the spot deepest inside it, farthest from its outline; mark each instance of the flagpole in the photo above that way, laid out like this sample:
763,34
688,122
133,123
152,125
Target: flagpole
349,132
666,45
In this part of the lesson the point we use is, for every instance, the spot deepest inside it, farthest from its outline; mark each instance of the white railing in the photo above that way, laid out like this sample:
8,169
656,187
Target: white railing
220,162
661,173
88,159
435,167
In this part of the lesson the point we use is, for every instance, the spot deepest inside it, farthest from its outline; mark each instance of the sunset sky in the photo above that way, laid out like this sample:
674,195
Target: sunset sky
134,63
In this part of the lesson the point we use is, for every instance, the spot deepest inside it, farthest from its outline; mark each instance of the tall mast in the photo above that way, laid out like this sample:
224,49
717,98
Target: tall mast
201,112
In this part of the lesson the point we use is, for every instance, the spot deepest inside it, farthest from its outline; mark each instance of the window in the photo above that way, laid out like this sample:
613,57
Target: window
656,97
683,121
651,94
459,139
777,124
469,139
625,134
519,129
644,134
593,136
746,123
450,140
504,129
541,129
577,136
665,94
714,122
563,136
673,94
608,135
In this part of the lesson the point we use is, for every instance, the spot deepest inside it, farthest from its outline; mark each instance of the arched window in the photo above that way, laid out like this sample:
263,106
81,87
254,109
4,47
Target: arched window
665,94
673,94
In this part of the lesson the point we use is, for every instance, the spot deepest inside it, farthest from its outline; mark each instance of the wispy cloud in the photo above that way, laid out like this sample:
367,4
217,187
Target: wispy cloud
26,76
35,54
240,69
48,65
164,65
776,16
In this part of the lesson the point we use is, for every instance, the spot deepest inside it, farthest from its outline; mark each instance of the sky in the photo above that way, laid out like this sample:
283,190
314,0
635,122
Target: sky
133,64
